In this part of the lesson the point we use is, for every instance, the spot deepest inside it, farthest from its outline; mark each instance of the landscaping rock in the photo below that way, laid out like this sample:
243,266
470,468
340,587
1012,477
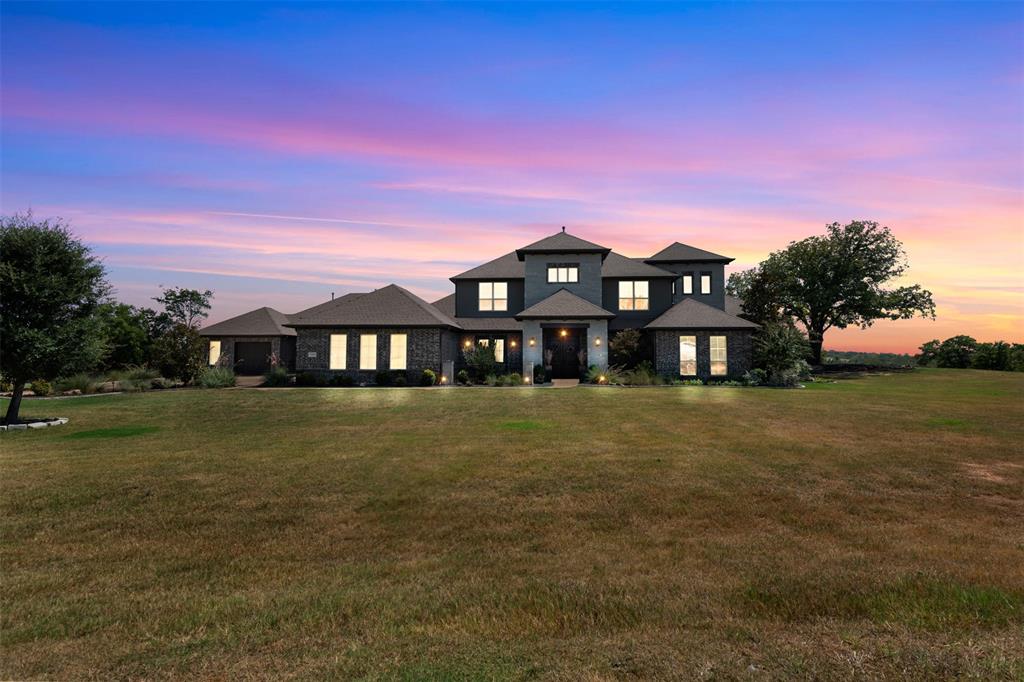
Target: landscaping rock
16,427
38,425
74,391
62,420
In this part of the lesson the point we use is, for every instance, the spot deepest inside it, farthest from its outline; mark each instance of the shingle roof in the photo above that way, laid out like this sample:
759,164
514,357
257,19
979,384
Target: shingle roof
692,314
682,253
259,322
390,306
733,305
504,267
562,242
616,265
477,324
564,305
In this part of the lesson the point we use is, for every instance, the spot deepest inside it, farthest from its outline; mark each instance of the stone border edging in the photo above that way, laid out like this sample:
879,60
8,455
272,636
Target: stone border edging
60,421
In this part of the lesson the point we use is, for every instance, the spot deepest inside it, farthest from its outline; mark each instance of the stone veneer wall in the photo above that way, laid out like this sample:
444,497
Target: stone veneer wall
227,348
424,348
739,352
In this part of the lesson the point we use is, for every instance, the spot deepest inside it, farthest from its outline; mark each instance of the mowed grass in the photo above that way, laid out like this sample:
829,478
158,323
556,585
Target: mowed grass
867,528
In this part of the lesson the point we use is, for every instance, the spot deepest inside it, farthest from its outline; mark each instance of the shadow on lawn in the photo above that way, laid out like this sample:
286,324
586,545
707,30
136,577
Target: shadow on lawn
115,432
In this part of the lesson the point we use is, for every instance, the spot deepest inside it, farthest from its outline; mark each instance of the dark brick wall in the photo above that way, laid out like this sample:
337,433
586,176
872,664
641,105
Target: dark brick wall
739,352
423,347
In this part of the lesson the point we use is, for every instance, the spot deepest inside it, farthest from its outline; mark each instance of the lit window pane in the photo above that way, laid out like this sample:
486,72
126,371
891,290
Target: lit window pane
687,284
214,352
640,289
486,304
705,284
339,348
641,304
688,355
398,351
367,351
486,290
499,350
719,360
500,304
501,290
552,274
625,290
484,342
574,274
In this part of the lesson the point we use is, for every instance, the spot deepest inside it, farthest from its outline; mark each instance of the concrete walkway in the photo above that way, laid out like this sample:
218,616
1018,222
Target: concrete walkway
565,383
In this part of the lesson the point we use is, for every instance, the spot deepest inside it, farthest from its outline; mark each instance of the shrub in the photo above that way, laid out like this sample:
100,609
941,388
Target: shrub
727,382
755,377
515,379
41,387
642,375
692,382
462,376
134,385
382,378
540,375
310,379
161,382
428,378
781,350
400,380
140,373
480,360
491,380
216,377
86,383
182,353
277,376
343,380
625,347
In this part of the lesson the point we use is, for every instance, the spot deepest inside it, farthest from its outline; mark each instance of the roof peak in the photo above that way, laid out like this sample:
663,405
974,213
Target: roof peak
677,252
562,242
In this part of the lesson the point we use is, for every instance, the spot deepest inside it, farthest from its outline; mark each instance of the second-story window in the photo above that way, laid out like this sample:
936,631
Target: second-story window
705,282
688,283
633,295
493,295
563,272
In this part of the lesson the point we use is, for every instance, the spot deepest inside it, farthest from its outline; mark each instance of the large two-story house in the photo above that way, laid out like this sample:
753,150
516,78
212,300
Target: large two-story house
554,303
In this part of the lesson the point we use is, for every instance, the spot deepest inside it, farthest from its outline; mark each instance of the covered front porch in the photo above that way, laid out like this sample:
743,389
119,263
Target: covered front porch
565,335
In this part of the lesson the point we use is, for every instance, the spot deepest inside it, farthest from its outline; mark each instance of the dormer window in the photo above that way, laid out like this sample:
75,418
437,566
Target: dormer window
563,272
493,296
634,295
705,283
688,283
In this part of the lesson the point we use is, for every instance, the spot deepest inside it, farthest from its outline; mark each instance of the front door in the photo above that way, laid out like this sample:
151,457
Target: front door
563,349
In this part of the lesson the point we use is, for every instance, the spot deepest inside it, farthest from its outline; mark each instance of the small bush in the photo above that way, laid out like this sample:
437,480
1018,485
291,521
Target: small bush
429,377
343,380
161,382
400,380
462,376
382,378
726,382
310,379
139,373
540,376
214,377
491,380
515,379
755,377
135,385
42,387
86,383
692,382
642,375
277,376
480,360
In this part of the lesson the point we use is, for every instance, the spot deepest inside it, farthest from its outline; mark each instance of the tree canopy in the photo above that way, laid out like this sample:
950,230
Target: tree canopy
186,306
50,288
834,280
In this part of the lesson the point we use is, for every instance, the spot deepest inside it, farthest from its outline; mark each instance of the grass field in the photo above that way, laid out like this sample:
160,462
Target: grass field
872,527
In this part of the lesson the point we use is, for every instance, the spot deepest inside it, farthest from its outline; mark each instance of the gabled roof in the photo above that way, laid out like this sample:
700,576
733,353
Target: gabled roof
390,306
564,305
508,266
260,322
682,253
692,314
733,305
477,324
616,265
562,242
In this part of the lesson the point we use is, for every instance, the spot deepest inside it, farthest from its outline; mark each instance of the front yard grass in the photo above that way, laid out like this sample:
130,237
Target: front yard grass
871,527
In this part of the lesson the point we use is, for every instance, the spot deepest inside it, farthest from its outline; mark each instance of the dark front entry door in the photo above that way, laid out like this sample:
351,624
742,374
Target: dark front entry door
252,357
564,348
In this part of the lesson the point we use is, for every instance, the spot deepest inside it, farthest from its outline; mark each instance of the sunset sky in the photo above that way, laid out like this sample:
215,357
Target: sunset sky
278,153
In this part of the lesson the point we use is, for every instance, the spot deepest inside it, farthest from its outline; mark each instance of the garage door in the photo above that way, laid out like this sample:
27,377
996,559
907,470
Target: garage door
252,357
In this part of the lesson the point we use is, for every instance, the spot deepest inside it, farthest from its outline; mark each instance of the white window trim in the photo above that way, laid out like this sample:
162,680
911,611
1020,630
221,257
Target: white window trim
366,343
338,353
399,360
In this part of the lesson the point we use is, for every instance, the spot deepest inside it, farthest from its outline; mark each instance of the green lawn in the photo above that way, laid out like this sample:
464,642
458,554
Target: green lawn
870,527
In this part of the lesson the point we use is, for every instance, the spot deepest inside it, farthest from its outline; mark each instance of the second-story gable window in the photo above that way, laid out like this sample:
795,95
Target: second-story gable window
563,272
705,283
688,283
634,295
493,296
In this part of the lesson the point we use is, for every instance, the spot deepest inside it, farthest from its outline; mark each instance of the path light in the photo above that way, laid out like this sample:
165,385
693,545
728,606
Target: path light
444,379
526,380
601,379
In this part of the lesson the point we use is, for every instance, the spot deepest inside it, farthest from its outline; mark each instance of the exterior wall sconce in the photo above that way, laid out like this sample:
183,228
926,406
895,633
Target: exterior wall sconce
563,333
597,340
467,343
512,343
533,342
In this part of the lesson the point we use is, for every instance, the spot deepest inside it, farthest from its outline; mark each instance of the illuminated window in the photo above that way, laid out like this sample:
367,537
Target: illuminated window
687,284
705,283
499,346
214,352
399,344
493,296
688,355
367,351
633,295
339,351
563,272
719,361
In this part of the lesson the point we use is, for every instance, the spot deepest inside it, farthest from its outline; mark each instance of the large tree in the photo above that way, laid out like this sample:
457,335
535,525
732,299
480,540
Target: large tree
50,288
186,306
834,280
180,352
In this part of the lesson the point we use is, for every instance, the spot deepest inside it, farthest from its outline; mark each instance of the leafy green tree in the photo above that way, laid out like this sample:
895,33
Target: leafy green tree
625,347
929,353
186,306
781,350
180,353
995,355
50,288
835,280
480,360
130,333
956,352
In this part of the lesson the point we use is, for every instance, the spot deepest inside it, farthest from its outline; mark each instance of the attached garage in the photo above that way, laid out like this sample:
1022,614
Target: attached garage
248,342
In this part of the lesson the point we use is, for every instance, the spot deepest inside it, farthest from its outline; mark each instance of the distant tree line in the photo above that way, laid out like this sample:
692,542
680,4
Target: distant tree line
962,351
849,357
58,318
